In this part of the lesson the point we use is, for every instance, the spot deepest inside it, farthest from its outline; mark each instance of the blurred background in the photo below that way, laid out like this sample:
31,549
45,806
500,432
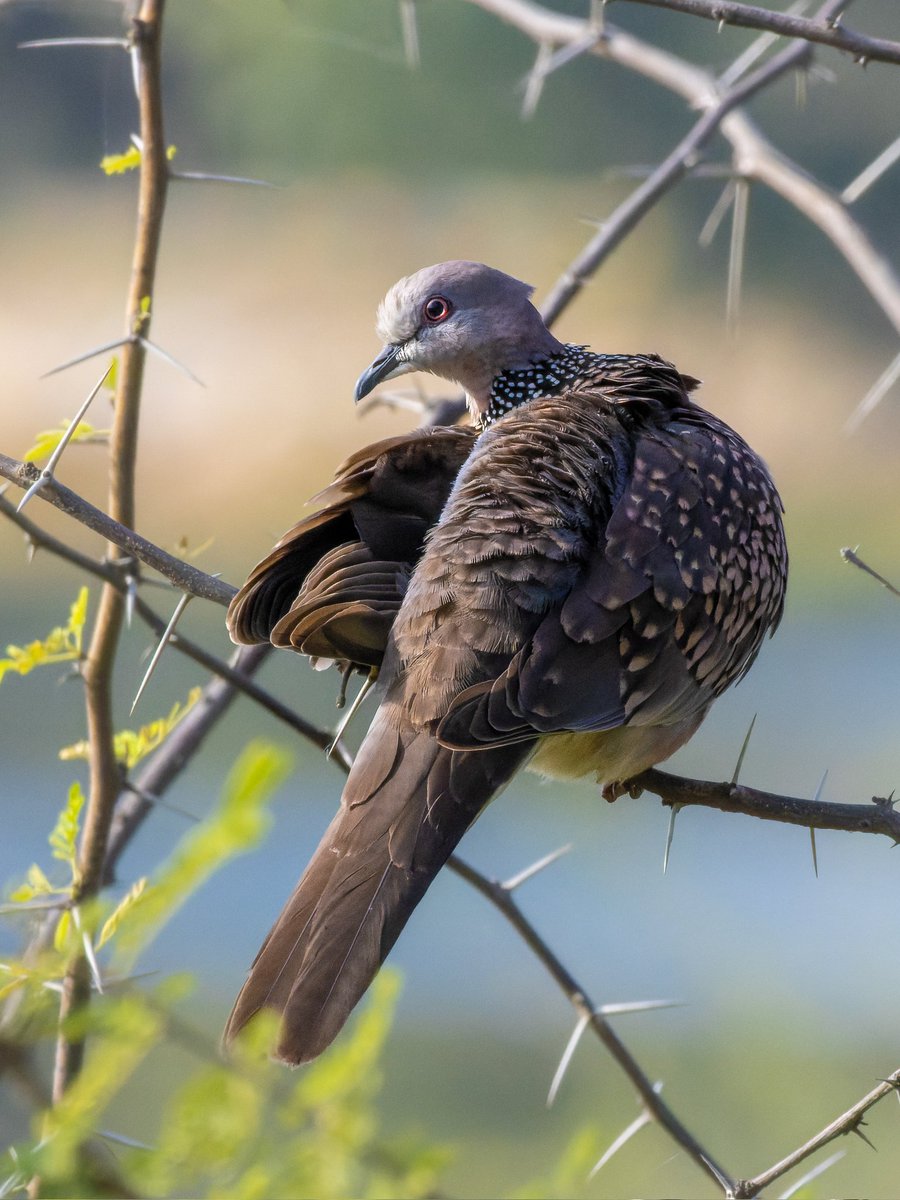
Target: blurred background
789,981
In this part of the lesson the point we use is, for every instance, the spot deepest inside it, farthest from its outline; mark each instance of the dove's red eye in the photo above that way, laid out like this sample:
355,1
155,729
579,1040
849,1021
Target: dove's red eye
436,309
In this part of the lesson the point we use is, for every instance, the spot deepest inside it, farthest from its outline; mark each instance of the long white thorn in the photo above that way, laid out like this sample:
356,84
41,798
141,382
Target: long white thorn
534,84
171,360
874,396
625,1136
636,1006
47,473
571,1045
812,1174
872,173
717,215
368,684
163,642
80,358
670,833
743,751
523,876
209,177
812,830
409,25
736,255
42,43
88,951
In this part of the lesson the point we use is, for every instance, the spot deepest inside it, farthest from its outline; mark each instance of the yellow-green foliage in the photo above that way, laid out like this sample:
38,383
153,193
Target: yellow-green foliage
569,1176
248,1129
118,164
62,644
241,1127
235,826
49,439
63,841
133,745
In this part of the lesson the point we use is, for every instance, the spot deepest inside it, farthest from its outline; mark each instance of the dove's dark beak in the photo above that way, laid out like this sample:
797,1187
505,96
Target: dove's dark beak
382,368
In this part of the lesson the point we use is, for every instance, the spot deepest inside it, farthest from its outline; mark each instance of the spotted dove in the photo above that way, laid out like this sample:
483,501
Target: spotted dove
602,560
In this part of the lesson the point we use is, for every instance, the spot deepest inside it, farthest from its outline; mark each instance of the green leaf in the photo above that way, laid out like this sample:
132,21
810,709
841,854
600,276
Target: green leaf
128,1030
60,645
61,932
38,882
118,164
125,905
36,885
131,746
234,827
64,836
49,439
111,378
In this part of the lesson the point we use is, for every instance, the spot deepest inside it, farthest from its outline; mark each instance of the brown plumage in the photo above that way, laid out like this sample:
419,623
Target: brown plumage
605,564
334,582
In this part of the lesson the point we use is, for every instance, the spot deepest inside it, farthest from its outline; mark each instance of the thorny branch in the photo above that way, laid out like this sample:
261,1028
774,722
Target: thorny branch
880,817
502,899
182,574
755,158
848,1122
751,16
236,672
667,174
97,668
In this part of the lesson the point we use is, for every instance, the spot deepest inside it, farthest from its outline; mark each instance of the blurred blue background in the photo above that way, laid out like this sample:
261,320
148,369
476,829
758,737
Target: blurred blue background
789,981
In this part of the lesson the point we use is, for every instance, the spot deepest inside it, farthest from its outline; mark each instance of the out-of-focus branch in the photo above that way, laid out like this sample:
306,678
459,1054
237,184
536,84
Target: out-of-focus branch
185,577
751,16
755,157
97,668
137,801
666,175
878,817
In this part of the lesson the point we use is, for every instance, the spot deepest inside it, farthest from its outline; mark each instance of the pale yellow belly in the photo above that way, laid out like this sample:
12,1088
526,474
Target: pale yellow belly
613,755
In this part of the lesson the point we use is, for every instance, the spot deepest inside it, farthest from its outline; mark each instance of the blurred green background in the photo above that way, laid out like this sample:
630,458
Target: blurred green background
789,981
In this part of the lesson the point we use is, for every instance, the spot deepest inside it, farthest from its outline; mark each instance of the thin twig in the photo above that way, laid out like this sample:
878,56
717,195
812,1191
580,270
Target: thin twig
755,157
185,577
97,667
879,817
613,231
852,557
233,673
752,16
847,1122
